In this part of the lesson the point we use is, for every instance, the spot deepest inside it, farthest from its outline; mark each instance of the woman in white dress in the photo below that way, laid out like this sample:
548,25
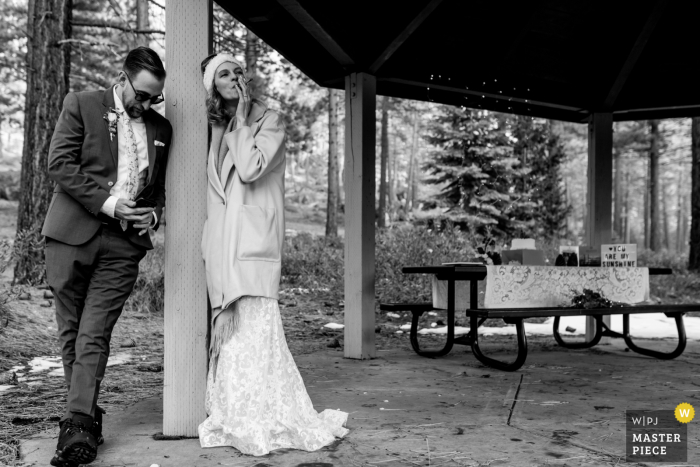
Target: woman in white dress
256,400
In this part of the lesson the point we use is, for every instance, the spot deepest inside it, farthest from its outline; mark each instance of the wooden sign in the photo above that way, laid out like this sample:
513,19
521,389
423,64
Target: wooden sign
620,255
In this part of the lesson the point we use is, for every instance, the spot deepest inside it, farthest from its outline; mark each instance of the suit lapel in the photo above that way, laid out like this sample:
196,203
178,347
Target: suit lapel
108,103
151,137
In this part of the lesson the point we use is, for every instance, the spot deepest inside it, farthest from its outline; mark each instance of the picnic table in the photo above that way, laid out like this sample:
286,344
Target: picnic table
474,273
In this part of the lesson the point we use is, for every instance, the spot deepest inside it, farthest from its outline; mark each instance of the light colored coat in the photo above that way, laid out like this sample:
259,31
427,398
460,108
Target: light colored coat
244,232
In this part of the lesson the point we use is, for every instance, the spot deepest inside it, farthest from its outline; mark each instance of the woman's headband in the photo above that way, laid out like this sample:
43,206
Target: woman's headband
211,67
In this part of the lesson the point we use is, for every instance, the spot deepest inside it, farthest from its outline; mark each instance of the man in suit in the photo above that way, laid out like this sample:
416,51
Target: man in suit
108,154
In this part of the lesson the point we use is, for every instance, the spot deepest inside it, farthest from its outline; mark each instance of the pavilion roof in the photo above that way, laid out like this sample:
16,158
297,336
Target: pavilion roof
559,59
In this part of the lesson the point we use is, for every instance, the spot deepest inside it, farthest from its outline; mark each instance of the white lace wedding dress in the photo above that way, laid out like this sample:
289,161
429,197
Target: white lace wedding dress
258,402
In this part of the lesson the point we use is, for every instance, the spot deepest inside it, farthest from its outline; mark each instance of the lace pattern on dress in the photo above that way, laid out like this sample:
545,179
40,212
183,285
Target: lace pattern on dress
258,401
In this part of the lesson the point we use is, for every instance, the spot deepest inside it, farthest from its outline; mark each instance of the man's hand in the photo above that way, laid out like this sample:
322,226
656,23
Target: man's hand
141,217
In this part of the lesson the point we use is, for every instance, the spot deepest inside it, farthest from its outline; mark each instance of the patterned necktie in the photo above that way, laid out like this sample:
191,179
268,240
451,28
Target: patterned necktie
132,180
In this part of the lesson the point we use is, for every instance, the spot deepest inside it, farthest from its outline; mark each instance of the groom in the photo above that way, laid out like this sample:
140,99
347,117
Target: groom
108,157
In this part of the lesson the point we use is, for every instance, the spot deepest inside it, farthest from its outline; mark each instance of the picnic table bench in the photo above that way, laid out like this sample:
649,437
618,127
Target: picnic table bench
515,316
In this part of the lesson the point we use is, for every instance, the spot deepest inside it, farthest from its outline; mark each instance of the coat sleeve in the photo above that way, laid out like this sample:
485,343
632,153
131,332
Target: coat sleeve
64,158
257,155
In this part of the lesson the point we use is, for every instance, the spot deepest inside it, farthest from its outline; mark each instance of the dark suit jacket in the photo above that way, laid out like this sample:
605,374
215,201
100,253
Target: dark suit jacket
83,163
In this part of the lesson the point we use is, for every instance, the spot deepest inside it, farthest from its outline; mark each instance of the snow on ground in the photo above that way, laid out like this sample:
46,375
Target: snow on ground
55,365
651,325
39,364
115,359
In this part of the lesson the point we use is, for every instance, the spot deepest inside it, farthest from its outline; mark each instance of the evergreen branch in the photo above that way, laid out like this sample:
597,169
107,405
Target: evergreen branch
157,4
19,28
117,9
107,44
107,25
12,66
89,79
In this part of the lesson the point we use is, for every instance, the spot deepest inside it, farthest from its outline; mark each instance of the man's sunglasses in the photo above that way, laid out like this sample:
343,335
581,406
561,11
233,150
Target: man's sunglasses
141,96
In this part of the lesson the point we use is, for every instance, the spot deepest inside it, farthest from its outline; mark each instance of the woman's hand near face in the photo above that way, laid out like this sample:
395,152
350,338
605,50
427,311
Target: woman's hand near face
244,101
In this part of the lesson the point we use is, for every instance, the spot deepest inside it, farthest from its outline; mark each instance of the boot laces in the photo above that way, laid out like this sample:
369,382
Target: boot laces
73,427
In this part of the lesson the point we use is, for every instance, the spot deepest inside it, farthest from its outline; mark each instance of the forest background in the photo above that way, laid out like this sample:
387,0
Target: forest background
447,180
490,174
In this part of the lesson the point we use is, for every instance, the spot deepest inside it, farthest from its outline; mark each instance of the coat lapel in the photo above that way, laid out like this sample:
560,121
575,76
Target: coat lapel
108,103
255,114
217,139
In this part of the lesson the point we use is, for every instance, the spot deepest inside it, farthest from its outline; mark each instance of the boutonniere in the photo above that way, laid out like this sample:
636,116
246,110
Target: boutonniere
111,117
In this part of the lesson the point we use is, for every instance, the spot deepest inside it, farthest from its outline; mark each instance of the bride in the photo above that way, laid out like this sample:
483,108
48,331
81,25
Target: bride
256,400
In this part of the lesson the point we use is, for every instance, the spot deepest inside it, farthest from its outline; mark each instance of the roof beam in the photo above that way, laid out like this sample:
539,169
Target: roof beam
474,93
316,30
635,53
405,34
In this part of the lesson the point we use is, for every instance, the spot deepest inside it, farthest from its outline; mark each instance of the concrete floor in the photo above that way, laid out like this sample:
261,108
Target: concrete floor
406,410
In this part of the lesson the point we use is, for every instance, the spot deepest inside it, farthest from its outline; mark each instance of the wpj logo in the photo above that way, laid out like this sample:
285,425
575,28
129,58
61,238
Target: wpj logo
658,435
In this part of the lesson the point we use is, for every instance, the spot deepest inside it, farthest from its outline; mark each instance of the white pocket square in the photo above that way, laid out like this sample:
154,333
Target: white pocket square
158,143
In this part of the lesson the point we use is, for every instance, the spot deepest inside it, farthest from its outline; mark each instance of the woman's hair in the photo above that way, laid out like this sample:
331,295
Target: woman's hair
143,58
216,111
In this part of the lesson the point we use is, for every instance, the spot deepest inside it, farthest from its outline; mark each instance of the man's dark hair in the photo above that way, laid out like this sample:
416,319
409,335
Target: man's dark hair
143,58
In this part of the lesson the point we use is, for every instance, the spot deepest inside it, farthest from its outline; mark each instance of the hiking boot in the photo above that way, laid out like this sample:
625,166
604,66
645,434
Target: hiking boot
97,426
76,445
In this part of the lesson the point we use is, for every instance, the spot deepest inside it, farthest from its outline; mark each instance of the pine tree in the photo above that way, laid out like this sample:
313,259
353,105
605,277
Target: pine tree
544,208
475,164
48,65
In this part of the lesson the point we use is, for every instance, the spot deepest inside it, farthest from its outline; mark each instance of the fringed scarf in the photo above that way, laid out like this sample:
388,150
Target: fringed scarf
224,325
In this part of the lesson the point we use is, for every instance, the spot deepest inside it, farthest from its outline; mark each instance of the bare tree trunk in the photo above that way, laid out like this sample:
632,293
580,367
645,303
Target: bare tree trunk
1,144
694,257
391,178
414,185
664,215
654,213
627,207
252,52
410,190
142,21
381,220
679,215
333,179
617,205
685,235
646,208
48,66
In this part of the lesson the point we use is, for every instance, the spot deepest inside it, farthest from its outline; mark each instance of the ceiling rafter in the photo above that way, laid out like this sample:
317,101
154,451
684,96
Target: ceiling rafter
473,93
309,23
635,53
403,36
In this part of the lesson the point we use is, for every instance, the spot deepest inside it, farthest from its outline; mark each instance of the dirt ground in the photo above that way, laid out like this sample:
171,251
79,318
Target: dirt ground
35,400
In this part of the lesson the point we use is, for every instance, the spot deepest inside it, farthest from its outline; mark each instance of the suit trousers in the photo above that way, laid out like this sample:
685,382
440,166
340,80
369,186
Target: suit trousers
90,282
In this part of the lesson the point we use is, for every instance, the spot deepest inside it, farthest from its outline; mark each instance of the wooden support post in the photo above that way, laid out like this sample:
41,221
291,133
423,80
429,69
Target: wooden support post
360,139
188,25
600,189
